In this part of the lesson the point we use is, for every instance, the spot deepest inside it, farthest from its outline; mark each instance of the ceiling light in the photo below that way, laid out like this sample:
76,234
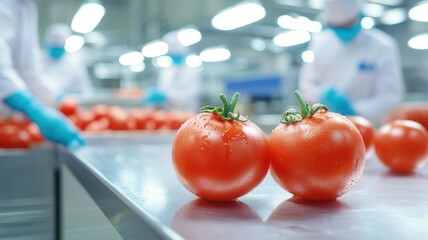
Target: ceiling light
419,42
131,58
74,43
419,12
189,36
258,44
291,38
373,10
215,54
137,67
394,16
308,56
367,22
155,49
162,61
299,23
193,61
388,2
87,17
238,16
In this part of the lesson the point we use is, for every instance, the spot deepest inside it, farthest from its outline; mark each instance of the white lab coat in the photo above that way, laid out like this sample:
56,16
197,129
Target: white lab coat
181,84
367,71
20,51
66,75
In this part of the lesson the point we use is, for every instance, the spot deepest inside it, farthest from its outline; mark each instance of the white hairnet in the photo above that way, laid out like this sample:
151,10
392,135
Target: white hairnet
340,12
57,34
174,45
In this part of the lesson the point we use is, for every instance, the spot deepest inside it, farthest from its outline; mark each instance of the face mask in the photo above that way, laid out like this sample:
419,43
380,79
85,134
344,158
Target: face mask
56,52
178,59
347,34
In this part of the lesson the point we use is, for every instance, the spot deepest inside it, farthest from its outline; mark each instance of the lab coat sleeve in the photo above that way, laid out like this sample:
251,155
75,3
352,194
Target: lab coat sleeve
10,81
307,84
388,91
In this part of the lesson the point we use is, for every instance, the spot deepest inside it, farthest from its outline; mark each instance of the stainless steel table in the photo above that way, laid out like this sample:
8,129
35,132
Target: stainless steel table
134,183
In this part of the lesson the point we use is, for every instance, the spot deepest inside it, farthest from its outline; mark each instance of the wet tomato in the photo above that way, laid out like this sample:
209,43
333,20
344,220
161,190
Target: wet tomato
316,154
219,157
366,129
402,145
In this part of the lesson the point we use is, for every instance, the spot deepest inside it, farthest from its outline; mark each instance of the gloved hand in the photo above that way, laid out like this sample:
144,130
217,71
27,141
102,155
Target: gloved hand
153,96
52,124
336,102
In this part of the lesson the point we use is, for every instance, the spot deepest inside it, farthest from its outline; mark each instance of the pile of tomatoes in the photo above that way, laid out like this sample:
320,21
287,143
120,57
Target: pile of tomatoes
102,118
18,132
314,154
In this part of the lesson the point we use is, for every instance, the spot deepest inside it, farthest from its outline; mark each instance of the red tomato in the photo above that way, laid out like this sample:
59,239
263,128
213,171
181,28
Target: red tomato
366,129
69,106
413,112
402,145
34,132
99,111
98,125
219,159
85,118
118,118
12,136
316,157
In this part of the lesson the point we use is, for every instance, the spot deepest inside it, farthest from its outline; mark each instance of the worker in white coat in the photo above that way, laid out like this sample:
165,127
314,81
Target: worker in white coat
179,85
63,72
355,71
21,87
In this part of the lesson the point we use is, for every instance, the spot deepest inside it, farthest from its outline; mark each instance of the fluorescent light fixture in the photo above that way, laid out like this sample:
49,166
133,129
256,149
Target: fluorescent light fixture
162,61
155,49
258,44
373,10
217,54
308,56
238,16
193,61
419,42
137,67
291,38
74,43
388,2
189,36
316,4
299,23
394,16
87,17
367,22
419,12
131,58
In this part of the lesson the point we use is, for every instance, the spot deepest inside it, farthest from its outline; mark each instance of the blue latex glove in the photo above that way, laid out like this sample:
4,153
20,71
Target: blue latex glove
336,102
154,96
52,124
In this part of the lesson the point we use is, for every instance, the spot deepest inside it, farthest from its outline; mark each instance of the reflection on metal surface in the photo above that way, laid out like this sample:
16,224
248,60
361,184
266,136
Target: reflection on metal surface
382,205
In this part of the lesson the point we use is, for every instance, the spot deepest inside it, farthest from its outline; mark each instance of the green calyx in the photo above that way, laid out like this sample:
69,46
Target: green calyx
227,112
306,110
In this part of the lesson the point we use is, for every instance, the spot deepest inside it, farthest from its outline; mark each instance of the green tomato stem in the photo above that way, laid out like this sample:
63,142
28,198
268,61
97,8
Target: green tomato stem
227,112
306,111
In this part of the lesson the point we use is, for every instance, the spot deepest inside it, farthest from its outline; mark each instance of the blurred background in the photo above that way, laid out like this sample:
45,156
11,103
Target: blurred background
250,53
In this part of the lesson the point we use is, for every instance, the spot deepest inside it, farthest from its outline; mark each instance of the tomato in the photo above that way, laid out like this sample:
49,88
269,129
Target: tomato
402,145
69,106
118,118
85,118
316,154
34,132
413,112
97,125
12,136
366,129
99,111
218,157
